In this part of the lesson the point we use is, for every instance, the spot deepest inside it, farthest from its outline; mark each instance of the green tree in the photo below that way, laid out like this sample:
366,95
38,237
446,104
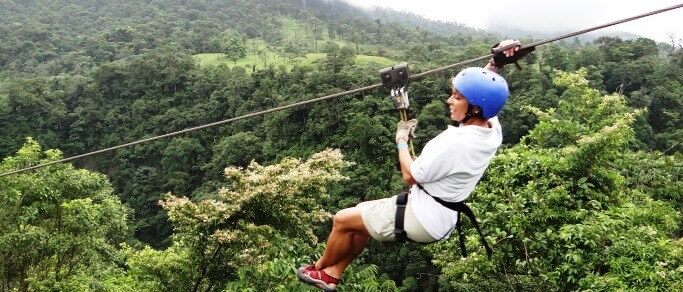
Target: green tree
236,150
330,48
180,164
555,57
234,48
337,59
59,226
294,49
121,34
562,215
315,27
665,115
588,56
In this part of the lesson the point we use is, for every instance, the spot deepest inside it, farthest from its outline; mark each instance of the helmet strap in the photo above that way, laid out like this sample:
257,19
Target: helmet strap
469,115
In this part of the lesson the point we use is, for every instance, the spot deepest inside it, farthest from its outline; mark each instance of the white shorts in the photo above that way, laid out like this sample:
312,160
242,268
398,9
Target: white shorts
379,217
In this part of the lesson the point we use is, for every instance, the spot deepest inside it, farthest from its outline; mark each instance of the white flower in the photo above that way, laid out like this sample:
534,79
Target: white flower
662,274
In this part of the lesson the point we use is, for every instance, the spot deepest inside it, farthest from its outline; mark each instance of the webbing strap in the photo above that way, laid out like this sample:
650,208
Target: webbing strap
461,207
461,237
401,202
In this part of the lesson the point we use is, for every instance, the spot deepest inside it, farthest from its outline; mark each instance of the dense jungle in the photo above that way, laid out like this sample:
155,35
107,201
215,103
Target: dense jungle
585,193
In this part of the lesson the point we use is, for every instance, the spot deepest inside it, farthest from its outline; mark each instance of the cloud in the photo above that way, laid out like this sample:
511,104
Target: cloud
544,16
367,5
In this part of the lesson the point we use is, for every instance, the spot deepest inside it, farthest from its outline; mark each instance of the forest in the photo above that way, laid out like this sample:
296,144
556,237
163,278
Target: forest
585,193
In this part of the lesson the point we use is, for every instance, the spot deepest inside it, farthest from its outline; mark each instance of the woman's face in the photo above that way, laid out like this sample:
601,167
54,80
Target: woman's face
458,105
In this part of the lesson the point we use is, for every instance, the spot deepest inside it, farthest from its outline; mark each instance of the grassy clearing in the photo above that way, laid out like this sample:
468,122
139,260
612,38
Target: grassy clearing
292,29
252,61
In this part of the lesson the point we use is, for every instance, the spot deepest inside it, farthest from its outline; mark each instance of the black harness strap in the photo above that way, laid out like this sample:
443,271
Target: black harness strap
460,207
401,202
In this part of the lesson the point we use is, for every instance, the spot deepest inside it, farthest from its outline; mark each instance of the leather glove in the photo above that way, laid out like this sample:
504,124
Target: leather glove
405,130
499,59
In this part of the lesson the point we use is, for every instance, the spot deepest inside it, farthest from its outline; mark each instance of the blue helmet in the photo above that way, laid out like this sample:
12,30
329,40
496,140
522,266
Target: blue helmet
483,88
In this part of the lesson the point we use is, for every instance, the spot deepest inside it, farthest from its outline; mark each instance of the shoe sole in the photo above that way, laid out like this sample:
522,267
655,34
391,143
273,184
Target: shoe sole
314,282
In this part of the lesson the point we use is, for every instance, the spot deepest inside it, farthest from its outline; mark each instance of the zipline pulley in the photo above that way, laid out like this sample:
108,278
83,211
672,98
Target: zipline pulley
397,78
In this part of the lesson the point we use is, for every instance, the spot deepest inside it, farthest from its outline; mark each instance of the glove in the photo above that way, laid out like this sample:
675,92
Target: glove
499,59
405,130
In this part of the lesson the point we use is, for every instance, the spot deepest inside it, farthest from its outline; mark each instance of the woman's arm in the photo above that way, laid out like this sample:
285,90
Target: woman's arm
405,159
404,130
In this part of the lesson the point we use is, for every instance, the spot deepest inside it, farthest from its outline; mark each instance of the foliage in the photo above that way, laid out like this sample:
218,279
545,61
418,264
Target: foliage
655,174
86,75
217,241
234,49
559,211
254,62
59,226
277,273
45,39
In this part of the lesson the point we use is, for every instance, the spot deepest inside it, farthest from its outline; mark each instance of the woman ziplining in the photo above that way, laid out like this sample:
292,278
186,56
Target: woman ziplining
445,173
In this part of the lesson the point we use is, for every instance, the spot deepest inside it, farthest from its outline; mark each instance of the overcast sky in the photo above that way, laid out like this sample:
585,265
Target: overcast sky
546,15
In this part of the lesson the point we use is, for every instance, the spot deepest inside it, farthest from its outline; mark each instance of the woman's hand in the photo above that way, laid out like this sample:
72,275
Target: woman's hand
507,52
405,130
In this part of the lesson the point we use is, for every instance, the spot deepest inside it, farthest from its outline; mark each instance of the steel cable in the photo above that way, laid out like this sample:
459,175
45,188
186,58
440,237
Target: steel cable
331,96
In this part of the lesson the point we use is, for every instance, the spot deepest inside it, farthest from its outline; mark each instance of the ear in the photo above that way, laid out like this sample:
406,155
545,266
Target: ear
476,111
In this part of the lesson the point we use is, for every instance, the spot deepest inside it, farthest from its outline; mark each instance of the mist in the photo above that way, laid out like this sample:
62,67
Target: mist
544,17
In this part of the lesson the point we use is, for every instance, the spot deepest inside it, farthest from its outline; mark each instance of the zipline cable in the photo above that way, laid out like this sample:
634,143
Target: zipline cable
251,115
332,96
550,40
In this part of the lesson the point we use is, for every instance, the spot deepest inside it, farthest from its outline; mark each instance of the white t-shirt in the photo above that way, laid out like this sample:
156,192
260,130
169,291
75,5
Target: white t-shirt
449,167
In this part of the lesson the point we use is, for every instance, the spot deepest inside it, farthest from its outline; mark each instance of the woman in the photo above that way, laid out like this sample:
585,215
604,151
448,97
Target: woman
449,167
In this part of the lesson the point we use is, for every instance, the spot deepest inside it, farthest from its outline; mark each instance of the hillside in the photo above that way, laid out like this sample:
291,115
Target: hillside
49,38
256,62
584,193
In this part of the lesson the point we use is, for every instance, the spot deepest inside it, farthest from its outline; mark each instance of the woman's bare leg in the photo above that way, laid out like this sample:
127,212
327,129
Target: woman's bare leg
347,240
336,270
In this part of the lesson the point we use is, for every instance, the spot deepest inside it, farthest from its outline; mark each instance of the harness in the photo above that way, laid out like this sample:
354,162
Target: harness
460,207
396,79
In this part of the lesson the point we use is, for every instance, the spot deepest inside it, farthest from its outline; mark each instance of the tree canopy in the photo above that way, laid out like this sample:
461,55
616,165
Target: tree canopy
584,195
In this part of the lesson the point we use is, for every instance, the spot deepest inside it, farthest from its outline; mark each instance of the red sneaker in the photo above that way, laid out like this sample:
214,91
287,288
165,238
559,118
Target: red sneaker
311,276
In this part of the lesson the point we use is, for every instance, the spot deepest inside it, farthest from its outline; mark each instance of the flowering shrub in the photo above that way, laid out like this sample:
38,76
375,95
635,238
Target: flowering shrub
266,209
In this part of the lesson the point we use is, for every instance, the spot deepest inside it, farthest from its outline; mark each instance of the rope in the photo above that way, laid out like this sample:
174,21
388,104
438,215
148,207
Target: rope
318,99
